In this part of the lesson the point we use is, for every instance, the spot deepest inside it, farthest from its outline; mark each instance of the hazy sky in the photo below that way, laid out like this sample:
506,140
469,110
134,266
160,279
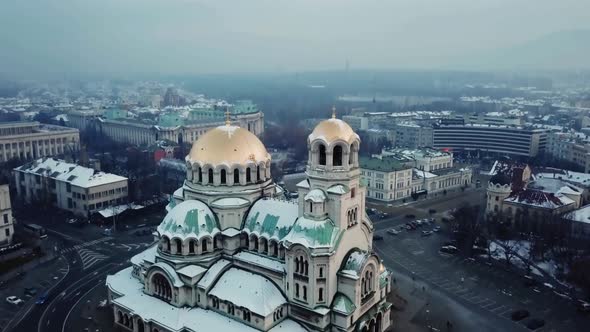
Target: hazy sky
64,37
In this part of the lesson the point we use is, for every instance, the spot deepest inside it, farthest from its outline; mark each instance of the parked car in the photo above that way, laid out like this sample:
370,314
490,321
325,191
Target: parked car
392,231
14,300
436,229
107,232
426,233
535,323
583,306
31,291
449,249
41,300
520,314
377,237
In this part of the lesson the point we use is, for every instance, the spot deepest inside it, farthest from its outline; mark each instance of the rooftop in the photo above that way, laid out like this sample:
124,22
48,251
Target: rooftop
385,164
76,175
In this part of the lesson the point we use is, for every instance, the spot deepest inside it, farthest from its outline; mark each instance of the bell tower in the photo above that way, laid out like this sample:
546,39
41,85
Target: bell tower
333,168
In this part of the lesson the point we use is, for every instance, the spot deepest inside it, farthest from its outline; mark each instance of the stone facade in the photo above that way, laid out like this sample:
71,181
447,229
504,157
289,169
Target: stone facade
6,221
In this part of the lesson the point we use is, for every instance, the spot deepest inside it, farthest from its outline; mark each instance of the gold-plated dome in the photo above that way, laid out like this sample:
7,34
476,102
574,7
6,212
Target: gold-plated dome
228,145
333,129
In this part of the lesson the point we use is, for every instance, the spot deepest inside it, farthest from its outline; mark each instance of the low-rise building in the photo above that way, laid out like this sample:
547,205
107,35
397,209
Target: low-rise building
387,178
70,187
6,221
356,122
31,140
412,136
572,146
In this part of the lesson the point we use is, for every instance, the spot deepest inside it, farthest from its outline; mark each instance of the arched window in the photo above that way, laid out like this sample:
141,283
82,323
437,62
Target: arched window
275,250
200,175
223,177
236,176
178,246
310,207
248,178
322,149
161,287
337,156
247,242
304,292
191,247
296,265
204,245
257,173
350,160
306,268
210,177
296,290
321,295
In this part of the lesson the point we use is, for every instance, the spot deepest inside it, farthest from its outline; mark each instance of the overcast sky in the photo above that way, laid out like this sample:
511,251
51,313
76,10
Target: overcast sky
68,37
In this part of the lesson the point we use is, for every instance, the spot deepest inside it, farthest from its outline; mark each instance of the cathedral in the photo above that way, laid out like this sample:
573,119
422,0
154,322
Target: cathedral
233,255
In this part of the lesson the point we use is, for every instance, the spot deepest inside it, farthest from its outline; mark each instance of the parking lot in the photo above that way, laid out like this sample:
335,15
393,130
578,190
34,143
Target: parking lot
490,290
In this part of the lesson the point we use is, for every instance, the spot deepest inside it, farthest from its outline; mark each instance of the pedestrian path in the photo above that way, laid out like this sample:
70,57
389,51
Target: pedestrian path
87,244
90,257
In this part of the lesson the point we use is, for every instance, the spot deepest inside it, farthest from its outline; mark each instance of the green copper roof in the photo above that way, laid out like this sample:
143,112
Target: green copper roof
343,304
170,120
314,233
115,113
244,106
272,218
189,218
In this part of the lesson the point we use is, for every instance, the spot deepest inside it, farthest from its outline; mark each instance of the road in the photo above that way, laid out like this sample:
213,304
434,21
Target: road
477,294
87,257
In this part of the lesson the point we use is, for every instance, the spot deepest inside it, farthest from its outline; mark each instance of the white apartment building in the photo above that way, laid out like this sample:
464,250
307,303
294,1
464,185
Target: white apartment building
411,135
31,140
573,147
356,122
70,187
6,221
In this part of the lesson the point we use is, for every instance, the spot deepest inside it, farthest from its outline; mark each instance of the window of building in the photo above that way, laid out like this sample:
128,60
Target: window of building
6,218
7,232
497,198
321,295
321,272
296,290
68,187
305,292
352,192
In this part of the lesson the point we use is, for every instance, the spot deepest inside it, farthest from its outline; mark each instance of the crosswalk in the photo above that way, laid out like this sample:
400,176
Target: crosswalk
90,257
86,244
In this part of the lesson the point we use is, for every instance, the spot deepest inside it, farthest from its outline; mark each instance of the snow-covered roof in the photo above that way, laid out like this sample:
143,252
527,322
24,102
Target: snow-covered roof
271,218
252,291
189,219
67,172
423,174
230,232
572,177
116,210
314,233
303,184
148,255
123,282
170,272
288,325
150,308
316,196
355,263
539,198
338,189
212,273
262,261
581,215
343,304
191,271
229,202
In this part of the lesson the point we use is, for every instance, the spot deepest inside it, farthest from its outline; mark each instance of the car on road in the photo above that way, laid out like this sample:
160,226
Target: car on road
520,314
377,237
41,299
392,231
449,249
583,306
14,300
426,233
436,229
535,323
107,232
30,291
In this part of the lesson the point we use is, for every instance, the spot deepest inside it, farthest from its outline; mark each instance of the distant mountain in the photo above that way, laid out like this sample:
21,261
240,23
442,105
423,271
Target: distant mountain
556,51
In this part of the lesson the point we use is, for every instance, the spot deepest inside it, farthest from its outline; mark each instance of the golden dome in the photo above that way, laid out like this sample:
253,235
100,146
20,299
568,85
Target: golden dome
333,129
228,145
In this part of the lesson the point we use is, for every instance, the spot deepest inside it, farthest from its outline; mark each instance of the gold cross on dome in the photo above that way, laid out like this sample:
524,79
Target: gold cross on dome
227,117
333,112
